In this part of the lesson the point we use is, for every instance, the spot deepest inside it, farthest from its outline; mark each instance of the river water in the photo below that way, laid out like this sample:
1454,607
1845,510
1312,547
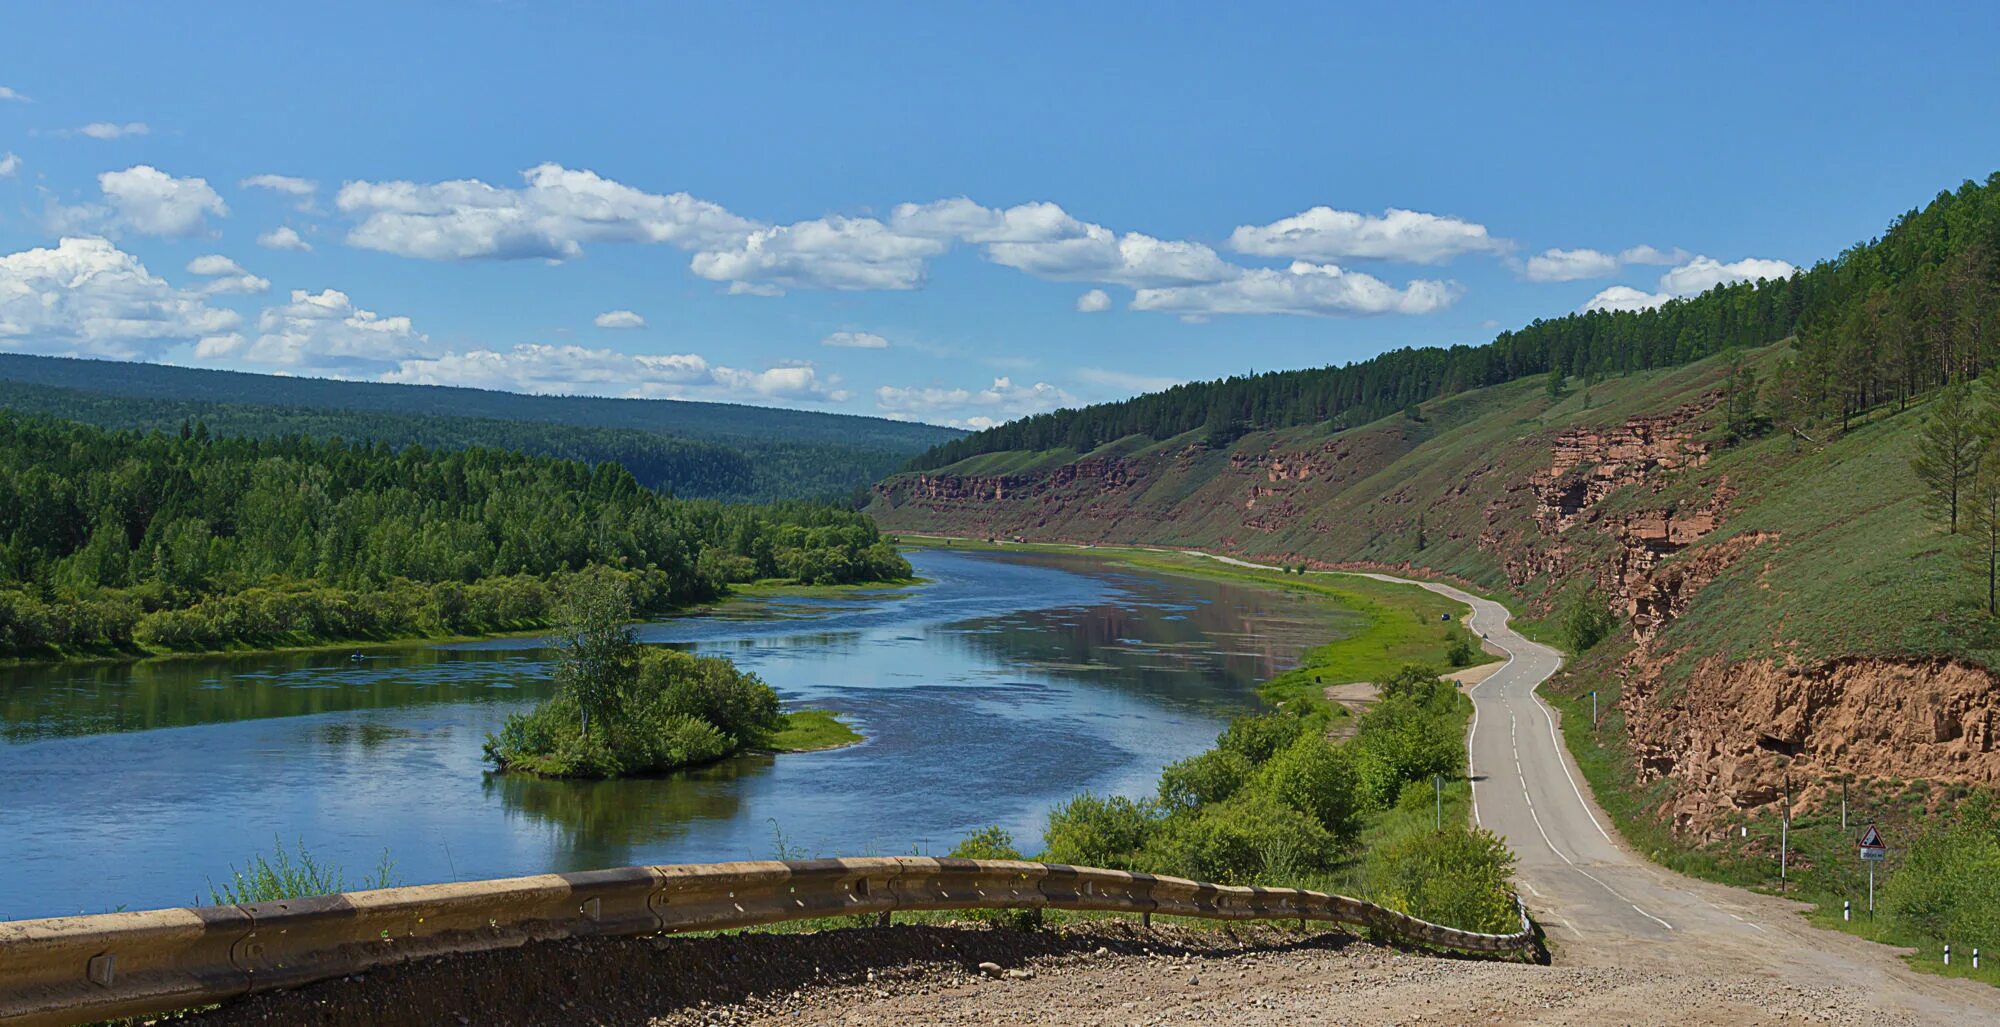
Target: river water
1004,684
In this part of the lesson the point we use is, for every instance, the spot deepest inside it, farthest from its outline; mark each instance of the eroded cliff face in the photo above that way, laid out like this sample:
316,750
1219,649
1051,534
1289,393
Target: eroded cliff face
1728,734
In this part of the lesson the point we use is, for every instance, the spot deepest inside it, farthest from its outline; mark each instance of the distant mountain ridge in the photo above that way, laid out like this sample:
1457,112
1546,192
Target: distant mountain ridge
692,449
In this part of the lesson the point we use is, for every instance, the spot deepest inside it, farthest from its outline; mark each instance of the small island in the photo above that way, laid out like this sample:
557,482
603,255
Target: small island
622,709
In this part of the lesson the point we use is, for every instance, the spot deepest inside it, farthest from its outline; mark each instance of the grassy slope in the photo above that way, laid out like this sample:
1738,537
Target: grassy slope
1852,565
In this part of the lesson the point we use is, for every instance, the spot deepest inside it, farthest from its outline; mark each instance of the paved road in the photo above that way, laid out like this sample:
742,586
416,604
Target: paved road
1602,902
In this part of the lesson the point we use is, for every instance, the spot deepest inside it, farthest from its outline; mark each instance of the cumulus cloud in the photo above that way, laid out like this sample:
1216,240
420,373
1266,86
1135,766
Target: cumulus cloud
552,216
302,190
965,220
1557,265
1703,273
9,164
1303,288
153,202
225,276
322,331
9,94
579,370
1569,265
1099,255
113,130
825,253
1326,234
283,238
1096,301
86,297
1692,278
855,340
619,319
966,408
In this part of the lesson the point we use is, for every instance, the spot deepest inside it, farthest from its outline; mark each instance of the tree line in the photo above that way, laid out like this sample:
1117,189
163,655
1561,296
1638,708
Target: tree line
123,541
1882,322
740,470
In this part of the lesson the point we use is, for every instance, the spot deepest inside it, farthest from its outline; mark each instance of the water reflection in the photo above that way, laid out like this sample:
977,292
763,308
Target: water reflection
1004,685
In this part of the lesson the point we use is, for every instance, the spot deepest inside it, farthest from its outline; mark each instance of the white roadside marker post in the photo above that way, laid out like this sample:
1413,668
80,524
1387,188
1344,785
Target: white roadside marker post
1947,954
1846,910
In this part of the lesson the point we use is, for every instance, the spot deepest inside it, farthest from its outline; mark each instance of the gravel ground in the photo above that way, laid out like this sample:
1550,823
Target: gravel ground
1096,974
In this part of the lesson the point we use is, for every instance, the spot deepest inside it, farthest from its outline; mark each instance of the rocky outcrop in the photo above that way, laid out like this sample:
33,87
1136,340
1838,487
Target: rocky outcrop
1728,736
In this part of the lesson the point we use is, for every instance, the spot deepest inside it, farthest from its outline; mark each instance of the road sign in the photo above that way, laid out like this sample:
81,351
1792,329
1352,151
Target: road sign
1872,848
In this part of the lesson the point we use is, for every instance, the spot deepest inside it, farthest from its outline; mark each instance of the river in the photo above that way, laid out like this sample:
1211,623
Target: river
1002,685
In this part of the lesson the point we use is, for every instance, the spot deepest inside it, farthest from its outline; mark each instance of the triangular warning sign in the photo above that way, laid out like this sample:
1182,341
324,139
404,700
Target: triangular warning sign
1872,839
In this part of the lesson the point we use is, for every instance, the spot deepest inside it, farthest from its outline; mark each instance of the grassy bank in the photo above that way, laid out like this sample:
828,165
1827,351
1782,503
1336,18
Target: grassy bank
811,731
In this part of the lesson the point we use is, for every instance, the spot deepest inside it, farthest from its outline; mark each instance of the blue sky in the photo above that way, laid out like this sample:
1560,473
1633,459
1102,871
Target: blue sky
999,209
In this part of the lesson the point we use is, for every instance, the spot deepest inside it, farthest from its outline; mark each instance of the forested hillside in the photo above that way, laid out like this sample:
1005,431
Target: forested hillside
118,541
1774,564
697,450
1883,321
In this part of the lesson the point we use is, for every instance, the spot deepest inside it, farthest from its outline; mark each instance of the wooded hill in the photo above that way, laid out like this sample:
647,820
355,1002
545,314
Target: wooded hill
122,541
691,449
1883,321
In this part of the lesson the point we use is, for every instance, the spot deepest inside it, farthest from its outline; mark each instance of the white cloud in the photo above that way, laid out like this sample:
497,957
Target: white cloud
323,331
1624,297
287,184
1652,255
965,408
1098,255
855,340
1569,265
1325,234
552,216
1690,279
578,370
283,238
86,297
113,130
225,276
1303,288
965,220
9,94
9,164
1702,274
156,203
1127,380
825,253
1096,301
303,191
619,319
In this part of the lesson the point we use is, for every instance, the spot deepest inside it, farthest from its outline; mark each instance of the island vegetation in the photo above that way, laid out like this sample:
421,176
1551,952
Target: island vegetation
126,542
623,709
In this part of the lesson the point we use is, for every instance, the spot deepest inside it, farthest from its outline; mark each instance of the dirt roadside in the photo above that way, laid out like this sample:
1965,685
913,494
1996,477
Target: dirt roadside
1096,974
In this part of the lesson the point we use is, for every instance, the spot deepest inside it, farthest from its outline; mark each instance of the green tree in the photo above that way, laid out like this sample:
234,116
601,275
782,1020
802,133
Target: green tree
596,645
1949,447
1982,504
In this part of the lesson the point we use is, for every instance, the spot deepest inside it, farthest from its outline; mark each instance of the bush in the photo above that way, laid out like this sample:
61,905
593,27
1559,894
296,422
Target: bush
1252,838
1212,776
1585,621
1099,832
991,842
1460,650
1257,739
1319,780
672,710
1456,877
1948,887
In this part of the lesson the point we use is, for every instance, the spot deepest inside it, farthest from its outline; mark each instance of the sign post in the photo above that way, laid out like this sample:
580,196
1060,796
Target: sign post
1873,851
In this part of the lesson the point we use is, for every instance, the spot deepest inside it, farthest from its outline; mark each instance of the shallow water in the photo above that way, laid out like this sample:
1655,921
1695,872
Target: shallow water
1003,685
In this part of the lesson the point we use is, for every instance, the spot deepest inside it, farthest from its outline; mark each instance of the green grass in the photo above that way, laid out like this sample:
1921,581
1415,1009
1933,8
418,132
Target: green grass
812,731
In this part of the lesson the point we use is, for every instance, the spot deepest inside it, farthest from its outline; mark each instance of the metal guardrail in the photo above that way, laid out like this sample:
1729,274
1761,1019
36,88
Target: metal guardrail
77,969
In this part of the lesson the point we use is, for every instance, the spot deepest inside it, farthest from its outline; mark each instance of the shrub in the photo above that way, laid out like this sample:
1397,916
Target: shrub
1585,621
991,842
1258,738
1456,877
1249,839
1319,780
1948,887
1099,832
1212,776
1402,740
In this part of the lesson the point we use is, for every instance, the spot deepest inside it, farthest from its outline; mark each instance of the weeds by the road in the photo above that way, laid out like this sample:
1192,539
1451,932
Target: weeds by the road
282,875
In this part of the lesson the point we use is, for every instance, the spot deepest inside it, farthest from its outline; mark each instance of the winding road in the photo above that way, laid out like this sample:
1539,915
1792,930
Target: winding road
1601,902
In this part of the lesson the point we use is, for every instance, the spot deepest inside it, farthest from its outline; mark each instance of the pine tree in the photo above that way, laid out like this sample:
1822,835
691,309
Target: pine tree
1983,517
1949,447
